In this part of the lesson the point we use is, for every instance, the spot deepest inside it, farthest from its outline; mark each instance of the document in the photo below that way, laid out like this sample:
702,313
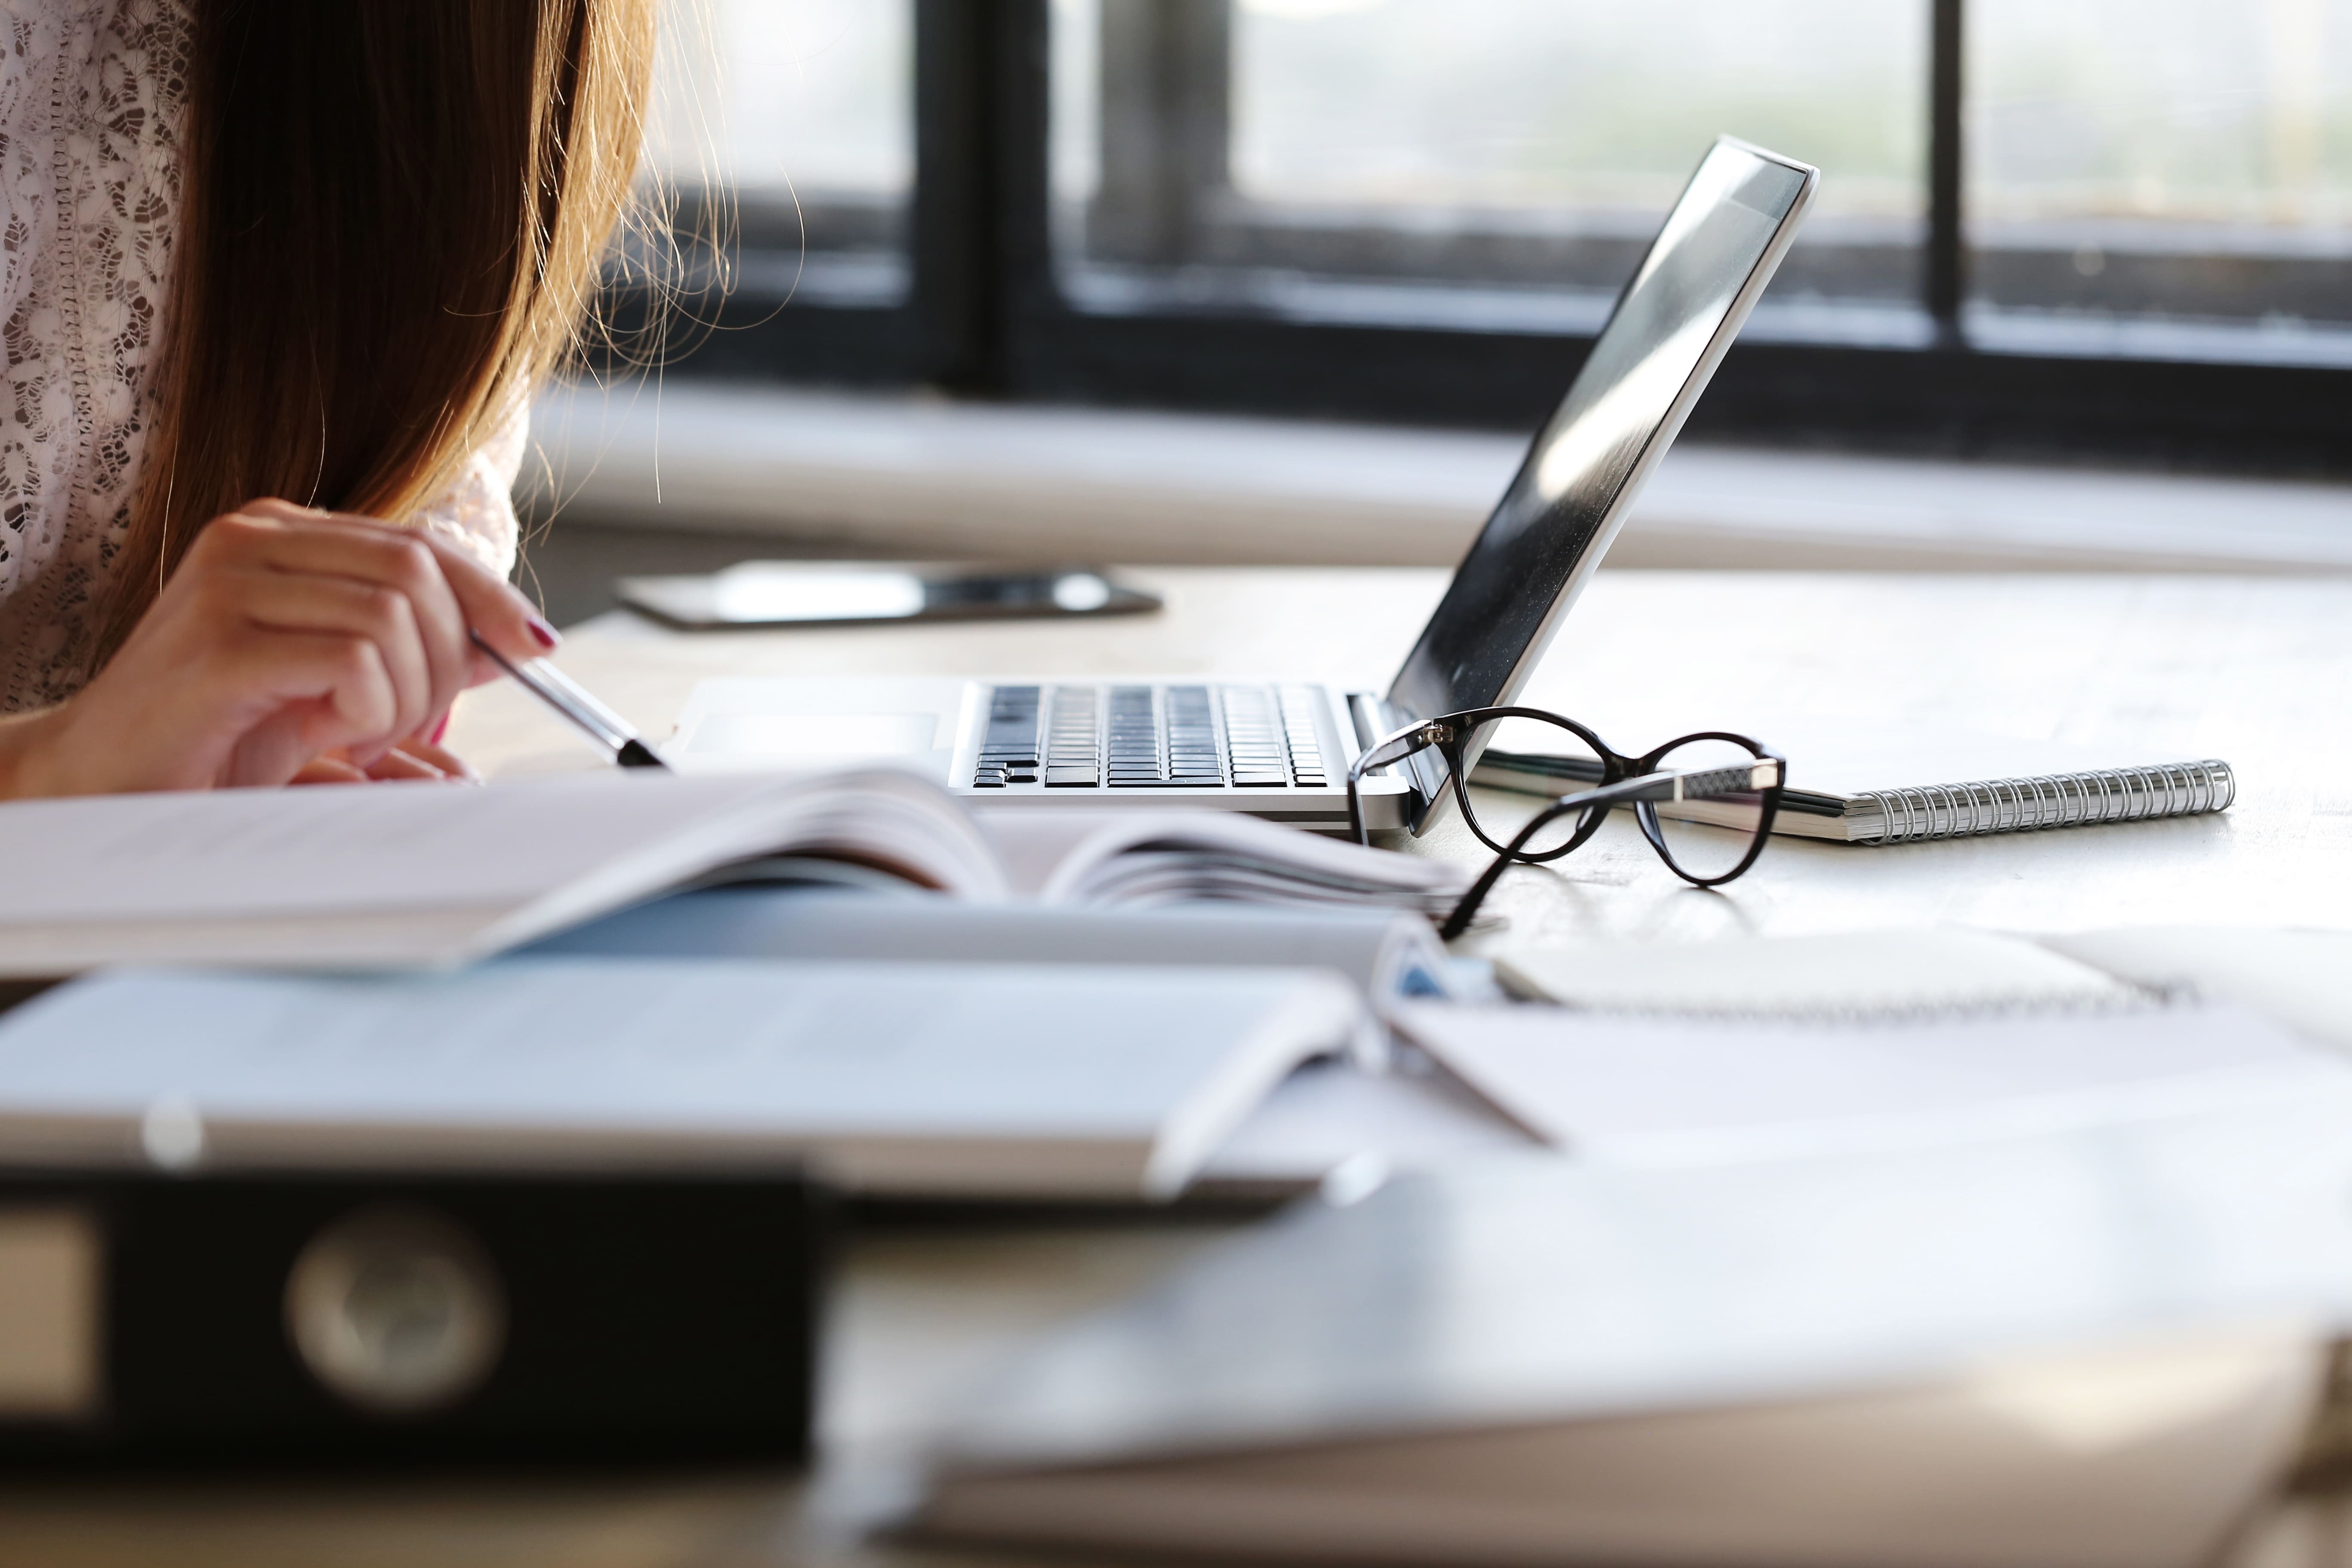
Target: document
1332,1115
2301,980
1387,953
1095,1082
409,876
1697,1087
1922,973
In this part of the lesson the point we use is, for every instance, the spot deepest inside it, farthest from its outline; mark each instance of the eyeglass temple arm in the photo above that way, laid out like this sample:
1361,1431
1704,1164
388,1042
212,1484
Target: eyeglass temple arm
1689,783
1694,784
1388,750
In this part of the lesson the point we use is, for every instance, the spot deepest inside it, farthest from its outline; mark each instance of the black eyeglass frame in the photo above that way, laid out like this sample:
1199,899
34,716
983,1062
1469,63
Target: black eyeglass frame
1624,779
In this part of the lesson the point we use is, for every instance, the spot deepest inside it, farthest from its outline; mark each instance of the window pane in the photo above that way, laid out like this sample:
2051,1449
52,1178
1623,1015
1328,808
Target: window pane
2153,167
802,110
1518,151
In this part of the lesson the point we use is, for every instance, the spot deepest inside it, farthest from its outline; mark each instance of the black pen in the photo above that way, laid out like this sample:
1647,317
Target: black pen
572,701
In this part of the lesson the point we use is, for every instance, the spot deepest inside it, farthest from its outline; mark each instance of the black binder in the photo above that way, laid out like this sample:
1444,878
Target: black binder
483,1320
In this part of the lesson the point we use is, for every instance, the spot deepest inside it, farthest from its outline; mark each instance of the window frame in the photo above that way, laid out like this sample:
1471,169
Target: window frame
986,316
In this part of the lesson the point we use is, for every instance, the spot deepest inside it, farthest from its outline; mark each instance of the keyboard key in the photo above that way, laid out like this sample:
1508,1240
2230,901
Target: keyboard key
1073,737
1008,747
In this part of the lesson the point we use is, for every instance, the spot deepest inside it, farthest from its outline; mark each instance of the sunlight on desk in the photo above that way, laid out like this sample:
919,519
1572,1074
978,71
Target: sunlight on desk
2251,671
2149,668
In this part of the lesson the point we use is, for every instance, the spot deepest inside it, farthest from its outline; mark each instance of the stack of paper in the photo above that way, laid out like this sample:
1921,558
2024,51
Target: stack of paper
2087,1348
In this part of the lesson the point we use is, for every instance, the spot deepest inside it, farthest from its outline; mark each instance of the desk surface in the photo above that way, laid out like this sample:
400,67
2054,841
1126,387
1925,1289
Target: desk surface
2145,668
2254,670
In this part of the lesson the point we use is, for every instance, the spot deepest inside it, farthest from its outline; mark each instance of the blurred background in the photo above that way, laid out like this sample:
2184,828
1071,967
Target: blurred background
2111,232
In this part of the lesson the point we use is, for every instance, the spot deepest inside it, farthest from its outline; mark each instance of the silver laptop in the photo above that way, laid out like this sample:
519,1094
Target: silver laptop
1281,749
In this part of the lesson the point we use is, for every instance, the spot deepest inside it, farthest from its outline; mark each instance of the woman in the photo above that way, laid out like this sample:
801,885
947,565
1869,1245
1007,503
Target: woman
277,279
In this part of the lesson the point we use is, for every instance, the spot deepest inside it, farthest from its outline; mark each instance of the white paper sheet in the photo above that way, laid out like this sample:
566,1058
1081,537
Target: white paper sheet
1670,1087
1864,973
275,851
2300,980
898,1075
412,875
1329,1112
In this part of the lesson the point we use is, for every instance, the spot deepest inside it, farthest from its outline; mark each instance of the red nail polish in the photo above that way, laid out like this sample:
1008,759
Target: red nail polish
543,632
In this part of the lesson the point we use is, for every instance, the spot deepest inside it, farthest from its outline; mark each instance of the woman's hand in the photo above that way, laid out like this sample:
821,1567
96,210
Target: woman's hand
413,759
290,645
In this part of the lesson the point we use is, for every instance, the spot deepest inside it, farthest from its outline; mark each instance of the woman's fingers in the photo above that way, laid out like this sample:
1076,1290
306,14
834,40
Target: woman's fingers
443,763
329,770
486,602
288,643
323,692
504,617
278,750
280,537
350,607
416,761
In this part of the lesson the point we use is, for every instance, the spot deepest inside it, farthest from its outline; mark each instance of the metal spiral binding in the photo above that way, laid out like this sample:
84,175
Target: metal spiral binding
2059,800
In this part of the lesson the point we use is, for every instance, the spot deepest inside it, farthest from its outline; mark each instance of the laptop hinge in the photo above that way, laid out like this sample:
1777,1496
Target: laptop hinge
1372,717
1374,720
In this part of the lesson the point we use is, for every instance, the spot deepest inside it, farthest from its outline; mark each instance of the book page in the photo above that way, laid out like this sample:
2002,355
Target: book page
276,851
1076,856
1031,844
515,858
1378,950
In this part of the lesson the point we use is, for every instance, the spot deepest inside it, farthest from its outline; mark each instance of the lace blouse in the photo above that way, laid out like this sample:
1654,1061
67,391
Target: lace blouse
91,96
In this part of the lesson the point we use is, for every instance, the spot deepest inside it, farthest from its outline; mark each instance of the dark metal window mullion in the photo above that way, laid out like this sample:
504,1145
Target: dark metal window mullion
950,241
1946,275
980,242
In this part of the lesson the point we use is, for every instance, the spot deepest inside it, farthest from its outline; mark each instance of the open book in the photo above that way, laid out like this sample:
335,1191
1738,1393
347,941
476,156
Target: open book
405,875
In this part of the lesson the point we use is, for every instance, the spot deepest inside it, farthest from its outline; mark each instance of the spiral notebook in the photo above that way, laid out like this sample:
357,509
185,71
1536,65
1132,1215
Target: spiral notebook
1872,785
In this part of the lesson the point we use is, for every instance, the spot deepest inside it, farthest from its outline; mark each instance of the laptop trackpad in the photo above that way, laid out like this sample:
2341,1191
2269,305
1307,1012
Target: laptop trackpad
756,743
813,735
750,723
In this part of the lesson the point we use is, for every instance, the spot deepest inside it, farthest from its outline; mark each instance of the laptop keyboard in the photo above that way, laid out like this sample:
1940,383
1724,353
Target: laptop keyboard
1151,737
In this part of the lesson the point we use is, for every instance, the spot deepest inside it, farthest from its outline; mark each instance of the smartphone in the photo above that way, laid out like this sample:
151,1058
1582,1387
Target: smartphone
843,594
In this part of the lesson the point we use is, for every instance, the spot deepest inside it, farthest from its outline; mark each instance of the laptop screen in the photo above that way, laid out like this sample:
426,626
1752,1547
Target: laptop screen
1546,535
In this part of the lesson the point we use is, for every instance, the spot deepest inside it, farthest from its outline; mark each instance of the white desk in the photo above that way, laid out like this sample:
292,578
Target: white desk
2256,670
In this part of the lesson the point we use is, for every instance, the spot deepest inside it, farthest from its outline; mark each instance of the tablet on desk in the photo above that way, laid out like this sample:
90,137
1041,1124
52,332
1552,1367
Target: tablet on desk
831,594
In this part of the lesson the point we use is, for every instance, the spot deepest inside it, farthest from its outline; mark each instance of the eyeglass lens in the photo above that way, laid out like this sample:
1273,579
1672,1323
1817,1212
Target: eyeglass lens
1705,839
1546,755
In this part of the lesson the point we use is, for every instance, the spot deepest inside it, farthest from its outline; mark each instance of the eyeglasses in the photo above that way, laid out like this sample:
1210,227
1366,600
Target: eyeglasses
1722,792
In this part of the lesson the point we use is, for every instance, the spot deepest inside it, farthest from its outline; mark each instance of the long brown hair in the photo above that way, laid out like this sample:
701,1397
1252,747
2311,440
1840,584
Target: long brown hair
392,216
